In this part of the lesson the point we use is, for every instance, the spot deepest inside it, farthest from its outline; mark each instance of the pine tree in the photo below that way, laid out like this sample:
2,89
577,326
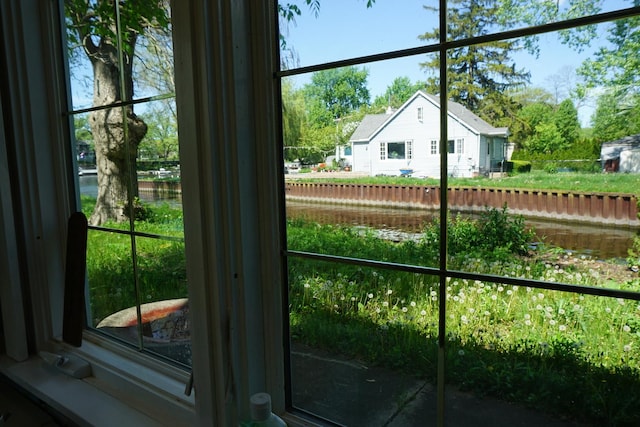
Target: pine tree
479,71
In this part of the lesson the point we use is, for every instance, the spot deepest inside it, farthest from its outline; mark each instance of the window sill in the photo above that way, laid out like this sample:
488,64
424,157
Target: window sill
120,391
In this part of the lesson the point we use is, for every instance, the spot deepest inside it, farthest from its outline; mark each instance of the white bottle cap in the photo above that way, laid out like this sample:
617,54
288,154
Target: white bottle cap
260,406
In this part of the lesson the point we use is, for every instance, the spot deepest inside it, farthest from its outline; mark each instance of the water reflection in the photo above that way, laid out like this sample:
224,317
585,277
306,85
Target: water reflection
592,240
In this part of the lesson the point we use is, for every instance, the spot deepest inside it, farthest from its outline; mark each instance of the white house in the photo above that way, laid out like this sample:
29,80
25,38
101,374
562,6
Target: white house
621,155
406,141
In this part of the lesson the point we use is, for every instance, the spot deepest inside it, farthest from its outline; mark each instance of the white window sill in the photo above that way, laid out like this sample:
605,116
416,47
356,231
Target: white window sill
120,391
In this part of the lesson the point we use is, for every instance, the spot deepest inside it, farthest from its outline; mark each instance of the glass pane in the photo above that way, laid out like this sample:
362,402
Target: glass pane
91,39
543,349
538,202
110,275
470,19
163,292
351,29
361,339
366,169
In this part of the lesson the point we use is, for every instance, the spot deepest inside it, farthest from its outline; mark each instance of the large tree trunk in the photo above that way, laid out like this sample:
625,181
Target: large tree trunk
115,145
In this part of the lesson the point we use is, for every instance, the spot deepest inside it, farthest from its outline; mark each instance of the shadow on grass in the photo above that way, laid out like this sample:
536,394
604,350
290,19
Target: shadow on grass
554,378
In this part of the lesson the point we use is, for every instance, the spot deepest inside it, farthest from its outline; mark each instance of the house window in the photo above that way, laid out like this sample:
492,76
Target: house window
396,150
460,146
420,112
451,146
434,147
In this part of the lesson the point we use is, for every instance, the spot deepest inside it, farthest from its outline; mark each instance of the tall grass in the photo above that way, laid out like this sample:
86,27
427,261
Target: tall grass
566,353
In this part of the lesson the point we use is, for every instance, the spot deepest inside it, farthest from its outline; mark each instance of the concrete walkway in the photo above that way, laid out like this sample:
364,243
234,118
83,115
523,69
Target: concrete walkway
353,394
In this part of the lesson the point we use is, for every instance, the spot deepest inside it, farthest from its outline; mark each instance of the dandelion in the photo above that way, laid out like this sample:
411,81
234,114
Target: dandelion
539,307
460,352
486,313
552,322
527,316
423,313
434,293
494,297
561,311
608,310
353,299
464,319
509,292
385,304
541,295
307,285
527,322
500,289
378,310
370,295
627,348
626,328
389,292
620,301
412,303
562,328
405,309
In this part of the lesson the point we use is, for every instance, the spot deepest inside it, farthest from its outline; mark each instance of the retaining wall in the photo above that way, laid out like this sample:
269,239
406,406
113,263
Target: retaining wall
602,208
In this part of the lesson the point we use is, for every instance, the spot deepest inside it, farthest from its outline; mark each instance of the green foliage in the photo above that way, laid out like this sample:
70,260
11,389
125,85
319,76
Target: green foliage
616,116
581,156
477,71
494,235
335,93
400,90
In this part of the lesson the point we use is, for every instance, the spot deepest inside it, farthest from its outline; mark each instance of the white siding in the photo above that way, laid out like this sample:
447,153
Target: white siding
405,125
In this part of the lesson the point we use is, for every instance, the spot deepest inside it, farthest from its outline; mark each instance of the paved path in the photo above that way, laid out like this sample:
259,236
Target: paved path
354,394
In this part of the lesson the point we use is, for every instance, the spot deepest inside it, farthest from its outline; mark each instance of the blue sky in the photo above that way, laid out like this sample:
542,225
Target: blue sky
346,28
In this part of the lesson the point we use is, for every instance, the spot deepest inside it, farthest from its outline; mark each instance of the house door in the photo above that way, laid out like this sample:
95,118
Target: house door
361,158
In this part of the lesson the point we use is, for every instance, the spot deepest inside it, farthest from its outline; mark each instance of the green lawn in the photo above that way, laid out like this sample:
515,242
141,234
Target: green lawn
621,183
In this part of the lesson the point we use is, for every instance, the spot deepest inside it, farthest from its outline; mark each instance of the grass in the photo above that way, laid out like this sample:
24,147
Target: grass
620,183
566,353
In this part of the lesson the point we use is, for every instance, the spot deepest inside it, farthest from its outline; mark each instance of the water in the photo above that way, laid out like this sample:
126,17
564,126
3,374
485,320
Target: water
587,239
592,240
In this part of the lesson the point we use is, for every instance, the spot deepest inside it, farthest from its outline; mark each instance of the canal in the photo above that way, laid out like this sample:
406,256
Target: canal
593,240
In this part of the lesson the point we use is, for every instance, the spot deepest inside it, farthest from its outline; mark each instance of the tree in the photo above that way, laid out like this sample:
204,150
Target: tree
99,27
400,90
476,71
616,116
293,120
335,93
567,122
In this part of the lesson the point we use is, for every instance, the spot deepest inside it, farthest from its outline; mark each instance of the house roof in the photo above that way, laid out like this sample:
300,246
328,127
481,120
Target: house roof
372,123
369,124
612,149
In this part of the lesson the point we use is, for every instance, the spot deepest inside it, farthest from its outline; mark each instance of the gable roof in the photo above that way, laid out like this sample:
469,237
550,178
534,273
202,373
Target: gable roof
373,123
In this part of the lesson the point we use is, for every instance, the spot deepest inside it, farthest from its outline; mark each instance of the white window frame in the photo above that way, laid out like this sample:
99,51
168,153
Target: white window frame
408,150
420,114
460,145
433,147
232,286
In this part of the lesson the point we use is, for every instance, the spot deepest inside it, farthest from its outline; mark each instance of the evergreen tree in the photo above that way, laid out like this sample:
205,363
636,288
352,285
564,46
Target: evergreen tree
566,121
478,71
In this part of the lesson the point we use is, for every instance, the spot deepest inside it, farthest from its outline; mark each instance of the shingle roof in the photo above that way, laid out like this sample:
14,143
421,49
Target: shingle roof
370,123
468,117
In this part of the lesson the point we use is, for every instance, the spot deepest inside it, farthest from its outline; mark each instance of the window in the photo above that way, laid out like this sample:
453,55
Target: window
355,290
133,202
323,294
396,150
